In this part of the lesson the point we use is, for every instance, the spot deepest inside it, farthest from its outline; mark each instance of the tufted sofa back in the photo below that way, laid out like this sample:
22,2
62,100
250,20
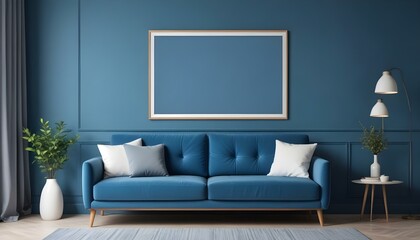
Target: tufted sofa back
185,153
246,153
215,154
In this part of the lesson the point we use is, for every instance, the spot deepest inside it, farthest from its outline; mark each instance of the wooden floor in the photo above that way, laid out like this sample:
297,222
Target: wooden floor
32,227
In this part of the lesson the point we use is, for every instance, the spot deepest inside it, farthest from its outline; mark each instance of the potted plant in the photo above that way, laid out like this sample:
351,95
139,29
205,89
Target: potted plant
375,142
50,148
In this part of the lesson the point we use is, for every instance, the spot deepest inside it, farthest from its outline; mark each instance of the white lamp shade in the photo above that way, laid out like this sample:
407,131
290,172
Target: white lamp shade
386,84
379,110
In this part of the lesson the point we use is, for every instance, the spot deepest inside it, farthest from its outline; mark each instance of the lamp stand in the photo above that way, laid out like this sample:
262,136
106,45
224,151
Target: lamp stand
410,144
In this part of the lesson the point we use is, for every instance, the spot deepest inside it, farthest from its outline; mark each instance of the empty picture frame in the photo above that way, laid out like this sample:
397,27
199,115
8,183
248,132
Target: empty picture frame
218,74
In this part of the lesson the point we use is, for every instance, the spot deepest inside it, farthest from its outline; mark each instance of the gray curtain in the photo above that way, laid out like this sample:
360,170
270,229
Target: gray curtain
15,193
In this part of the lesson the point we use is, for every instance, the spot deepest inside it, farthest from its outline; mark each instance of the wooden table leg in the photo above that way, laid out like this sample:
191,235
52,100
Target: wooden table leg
364,200
371,201
385,202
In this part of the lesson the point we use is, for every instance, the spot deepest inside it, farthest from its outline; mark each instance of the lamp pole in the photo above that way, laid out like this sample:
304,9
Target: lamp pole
410,131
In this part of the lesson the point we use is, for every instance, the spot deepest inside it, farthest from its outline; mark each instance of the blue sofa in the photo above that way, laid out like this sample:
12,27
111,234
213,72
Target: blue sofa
209,171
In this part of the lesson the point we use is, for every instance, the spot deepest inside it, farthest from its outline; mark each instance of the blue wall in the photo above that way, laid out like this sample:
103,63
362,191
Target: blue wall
88,65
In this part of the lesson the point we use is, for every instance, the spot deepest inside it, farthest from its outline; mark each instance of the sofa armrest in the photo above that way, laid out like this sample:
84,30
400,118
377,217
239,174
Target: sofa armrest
92,173
321,174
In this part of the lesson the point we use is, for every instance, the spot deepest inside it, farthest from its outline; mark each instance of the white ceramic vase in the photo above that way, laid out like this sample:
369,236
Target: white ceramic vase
375,168
51,203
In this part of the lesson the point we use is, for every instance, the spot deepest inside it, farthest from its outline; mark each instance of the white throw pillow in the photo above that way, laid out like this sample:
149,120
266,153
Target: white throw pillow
292,160
115,159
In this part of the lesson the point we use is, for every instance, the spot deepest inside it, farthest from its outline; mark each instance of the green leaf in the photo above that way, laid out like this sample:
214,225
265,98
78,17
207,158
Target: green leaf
50,146
373,140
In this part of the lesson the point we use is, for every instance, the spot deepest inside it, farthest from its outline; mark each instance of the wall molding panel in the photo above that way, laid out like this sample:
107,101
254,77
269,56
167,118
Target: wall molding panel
88,65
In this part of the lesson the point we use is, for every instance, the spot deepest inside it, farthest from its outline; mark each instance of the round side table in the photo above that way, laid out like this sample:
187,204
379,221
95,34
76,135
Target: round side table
372,184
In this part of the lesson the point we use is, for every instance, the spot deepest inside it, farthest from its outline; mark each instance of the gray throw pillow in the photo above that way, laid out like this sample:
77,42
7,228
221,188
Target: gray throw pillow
144,161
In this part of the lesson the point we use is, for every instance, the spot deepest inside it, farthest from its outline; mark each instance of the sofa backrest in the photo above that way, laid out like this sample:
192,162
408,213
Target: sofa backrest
185,153
246,153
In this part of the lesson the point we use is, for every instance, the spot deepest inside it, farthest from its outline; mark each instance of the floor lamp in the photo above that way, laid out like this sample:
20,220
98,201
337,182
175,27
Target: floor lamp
387,85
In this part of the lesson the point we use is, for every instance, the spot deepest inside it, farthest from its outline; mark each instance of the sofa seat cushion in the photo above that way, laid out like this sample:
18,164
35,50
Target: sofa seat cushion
168,188
262,188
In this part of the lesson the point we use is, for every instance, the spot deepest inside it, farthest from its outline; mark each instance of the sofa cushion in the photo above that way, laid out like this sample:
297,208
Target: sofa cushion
146,161
292,160
115,159
169,188
262,188
185,153
246,153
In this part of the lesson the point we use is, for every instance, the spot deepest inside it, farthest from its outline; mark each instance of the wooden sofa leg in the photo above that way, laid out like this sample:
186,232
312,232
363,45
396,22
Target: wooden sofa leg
92,216
320,217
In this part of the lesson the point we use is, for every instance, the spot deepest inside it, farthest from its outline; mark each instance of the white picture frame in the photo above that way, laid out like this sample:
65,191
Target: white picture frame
171,74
